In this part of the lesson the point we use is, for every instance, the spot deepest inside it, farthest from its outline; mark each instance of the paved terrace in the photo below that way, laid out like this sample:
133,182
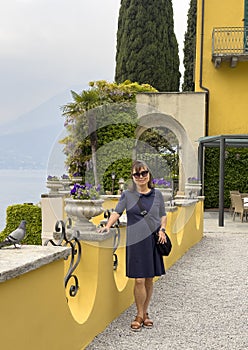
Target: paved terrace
202,301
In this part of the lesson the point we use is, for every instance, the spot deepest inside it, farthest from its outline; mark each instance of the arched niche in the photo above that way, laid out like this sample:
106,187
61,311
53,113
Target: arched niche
188,163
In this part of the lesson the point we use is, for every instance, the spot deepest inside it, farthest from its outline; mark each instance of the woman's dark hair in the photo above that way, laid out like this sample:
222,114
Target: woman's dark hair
136,167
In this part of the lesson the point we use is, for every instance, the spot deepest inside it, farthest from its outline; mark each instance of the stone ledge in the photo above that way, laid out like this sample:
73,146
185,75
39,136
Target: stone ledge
16,262
110,196
95,236
123,221
52,195
170,209
185,202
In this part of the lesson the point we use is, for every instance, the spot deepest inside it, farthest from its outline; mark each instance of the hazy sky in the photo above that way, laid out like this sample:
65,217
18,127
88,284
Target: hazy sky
51,46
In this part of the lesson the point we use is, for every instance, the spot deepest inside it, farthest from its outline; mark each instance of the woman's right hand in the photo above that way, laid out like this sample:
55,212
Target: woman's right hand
111,221
103,229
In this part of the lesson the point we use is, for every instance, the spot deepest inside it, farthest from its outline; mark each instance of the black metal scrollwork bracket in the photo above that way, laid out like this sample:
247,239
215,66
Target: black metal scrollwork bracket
115,246
117,237
76,251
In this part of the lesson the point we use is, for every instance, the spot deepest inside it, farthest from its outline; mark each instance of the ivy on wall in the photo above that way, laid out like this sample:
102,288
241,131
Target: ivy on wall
32,215
236,165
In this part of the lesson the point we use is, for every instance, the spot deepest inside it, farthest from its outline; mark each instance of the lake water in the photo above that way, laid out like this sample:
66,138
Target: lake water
20,186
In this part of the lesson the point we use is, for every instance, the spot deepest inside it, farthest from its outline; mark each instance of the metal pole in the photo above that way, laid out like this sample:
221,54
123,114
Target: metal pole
221,181
200,165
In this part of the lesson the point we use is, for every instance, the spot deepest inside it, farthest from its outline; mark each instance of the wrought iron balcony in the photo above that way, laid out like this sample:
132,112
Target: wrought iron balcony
229,44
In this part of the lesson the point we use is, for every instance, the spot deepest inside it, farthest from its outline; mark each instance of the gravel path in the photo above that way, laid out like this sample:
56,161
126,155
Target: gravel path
201,303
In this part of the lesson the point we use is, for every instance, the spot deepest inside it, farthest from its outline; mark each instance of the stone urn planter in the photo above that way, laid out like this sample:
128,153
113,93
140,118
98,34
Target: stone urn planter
163,186
81,211
192,189
77,179
54,186
167,193
65,185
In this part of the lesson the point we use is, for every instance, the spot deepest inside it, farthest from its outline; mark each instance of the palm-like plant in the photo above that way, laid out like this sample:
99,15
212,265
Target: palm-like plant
78,113
81,117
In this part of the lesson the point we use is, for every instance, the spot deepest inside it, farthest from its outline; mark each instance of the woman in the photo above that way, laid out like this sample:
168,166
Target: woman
143,262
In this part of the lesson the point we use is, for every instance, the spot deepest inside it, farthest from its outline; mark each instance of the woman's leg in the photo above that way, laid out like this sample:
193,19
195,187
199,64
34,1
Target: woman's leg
140,295
143,289
140,298
149,291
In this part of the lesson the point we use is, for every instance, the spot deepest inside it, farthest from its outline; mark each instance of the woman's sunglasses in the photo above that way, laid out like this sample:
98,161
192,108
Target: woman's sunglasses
144,173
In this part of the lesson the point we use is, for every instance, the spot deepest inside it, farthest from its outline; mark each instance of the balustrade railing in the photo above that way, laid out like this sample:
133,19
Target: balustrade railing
75,256
229,41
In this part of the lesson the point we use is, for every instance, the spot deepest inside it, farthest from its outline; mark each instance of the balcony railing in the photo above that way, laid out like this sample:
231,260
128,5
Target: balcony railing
229,44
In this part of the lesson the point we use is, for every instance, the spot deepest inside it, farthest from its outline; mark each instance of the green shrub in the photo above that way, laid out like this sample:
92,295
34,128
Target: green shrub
122,169
32,215
236,164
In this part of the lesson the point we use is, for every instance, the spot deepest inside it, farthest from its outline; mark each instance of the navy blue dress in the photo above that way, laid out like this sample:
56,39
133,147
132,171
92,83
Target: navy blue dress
142,257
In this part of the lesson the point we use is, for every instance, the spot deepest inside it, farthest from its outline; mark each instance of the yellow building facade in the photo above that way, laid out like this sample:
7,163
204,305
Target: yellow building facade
221,65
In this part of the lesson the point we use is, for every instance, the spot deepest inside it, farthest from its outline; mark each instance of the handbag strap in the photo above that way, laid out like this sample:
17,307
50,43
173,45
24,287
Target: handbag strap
144,213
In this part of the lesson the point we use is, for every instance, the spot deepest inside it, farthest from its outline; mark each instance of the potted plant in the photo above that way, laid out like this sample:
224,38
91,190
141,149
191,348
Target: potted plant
77,177
164,186
54,184
66,182
193,187
83,204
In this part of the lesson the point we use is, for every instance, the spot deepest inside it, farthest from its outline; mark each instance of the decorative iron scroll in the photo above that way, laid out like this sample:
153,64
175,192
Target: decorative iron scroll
115,246
75,256
117,237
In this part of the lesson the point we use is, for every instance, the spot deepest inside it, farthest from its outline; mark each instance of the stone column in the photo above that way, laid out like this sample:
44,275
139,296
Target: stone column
52,207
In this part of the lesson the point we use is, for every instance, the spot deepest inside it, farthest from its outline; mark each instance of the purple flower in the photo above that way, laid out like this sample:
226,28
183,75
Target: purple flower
161,183
52,178
85,191
77,174
193,179
75,188
88,185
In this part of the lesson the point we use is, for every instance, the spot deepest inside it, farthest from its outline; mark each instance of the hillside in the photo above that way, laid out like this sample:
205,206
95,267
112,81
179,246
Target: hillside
28,141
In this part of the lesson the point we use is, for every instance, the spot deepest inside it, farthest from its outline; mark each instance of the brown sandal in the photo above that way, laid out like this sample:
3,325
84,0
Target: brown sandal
136,325
147,323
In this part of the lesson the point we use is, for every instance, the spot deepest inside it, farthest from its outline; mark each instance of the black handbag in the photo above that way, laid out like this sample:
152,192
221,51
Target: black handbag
164,249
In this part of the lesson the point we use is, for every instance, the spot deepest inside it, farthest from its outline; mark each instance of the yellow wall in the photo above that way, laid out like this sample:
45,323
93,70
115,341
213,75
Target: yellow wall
228,102
35,308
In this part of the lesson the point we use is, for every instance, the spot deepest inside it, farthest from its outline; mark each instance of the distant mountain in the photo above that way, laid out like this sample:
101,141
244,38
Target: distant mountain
48,113
27,141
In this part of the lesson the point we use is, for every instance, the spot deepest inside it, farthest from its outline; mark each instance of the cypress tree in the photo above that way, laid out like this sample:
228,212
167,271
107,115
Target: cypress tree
190,48
147,49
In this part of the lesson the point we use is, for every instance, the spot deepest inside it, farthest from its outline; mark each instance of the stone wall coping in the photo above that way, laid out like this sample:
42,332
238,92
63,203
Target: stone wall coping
95,236
123,221
52,195
185,202
17,261
171,209
110,196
